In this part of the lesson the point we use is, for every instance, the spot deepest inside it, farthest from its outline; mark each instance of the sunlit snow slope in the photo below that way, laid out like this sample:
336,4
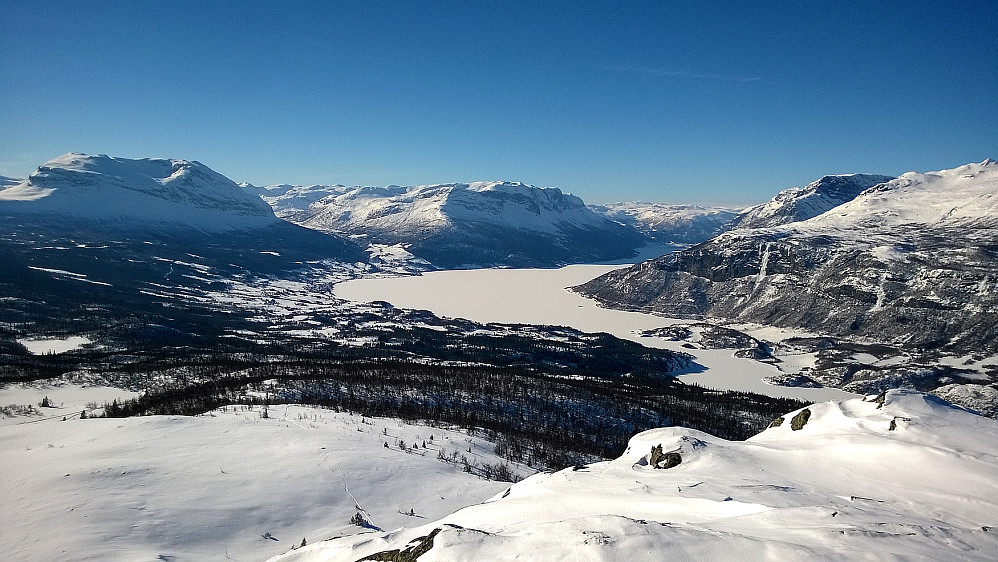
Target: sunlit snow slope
228,485
900,477
802,203
459,224
147,192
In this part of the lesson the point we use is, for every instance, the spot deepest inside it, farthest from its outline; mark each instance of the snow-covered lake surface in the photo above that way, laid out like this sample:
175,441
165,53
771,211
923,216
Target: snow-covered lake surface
42,346
540,296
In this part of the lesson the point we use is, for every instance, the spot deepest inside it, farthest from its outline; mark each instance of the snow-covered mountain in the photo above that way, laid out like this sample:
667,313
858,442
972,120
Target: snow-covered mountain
802,203
902,476
678,224
910,262
144,192
458,224
107,218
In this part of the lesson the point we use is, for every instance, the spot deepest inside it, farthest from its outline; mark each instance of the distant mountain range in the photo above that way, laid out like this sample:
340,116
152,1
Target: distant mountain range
461,225
675,224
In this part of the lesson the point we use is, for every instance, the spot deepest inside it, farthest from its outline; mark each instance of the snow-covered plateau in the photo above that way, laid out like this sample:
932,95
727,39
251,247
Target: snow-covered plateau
900,476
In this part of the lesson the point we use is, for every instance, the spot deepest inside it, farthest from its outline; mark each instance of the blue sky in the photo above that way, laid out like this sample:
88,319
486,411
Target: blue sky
708,102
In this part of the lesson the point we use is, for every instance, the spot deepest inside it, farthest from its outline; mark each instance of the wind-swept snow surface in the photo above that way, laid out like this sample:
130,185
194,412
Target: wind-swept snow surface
898,477
228,485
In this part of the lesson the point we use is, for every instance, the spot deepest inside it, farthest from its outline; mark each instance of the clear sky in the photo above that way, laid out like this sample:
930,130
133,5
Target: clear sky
709,102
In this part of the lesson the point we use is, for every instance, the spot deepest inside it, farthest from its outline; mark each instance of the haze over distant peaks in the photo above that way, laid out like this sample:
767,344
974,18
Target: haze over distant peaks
680,224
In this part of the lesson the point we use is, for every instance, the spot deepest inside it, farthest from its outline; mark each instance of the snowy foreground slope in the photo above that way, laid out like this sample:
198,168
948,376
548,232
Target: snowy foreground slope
228,485
152,190
900,477
678,224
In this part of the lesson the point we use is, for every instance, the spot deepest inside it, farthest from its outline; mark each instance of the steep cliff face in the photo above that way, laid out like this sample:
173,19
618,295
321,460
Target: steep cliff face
913,261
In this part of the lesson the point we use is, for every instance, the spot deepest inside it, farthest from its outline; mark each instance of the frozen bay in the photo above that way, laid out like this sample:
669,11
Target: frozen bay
541,296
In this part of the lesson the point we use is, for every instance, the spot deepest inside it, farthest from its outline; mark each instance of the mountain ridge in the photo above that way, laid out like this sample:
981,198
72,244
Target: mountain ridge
912,262
802,203
494,223
110,189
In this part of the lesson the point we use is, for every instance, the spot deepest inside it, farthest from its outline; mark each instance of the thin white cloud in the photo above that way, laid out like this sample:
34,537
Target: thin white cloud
672,73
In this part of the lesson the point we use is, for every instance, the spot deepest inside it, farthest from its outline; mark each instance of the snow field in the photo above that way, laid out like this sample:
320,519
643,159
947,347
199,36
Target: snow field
230,484
842,487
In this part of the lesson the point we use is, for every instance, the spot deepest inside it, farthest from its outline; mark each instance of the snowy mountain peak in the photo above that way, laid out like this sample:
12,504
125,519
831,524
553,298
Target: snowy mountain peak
958,197
102,188
802,203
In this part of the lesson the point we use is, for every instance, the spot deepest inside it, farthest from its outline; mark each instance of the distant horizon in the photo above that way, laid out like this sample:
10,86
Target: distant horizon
723,104
729,205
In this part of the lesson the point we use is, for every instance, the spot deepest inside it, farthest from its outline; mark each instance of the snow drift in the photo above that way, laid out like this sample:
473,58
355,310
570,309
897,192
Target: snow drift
900,476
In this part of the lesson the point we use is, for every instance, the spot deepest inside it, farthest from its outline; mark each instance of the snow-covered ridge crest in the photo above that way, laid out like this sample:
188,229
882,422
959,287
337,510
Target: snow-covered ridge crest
802,203
418,208
966,196
903,474
494,223
162,190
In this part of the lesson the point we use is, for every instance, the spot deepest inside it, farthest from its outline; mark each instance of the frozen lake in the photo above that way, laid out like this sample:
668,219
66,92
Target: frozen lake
540,296
43,346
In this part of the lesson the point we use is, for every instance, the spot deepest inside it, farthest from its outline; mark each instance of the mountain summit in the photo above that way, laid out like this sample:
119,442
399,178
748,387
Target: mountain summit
802,203
460,224
910,262
144,191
